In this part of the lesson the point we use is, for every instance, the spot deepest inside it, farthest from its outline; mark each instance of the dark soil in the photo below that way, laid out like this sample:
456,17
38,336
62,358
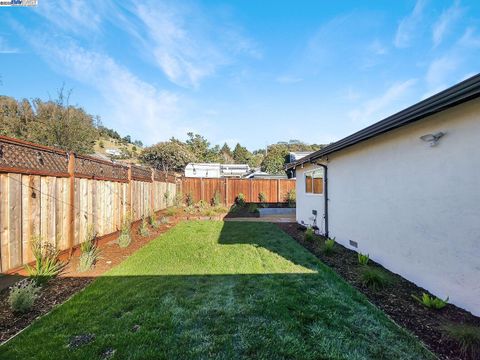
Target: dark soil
396,299
246,210
60,289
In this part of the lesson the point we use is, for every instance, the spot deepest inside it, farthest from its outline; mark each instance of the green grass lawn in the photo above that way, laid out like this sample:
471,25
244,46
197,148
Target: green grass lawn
214,290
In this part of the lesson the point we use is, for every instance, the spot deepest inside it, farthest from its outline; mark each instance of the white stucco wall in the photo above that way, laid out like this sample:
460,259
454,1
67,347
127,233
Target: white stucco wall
414,208
308,202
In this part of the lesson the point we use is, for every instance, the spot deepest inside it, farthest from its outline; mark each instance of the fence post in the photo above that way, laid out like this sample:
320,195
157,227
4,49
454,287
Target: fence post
226,192
251,190
152,192
71,210
278,190
130,189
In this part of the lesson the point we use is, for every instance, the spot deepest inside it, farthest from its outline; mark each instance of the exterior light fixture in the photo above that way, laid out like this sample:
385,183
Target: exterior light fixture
432,139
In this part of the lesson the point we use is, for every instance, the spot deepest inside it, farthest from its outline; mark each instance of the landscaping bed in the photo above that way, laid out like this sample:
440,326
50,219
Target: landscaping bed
70,281
396,299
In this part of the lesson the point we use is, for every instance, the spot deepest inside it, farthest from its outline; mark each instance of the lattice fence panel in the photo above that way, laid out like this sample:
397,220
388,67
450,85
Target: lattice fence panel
92,168
142,174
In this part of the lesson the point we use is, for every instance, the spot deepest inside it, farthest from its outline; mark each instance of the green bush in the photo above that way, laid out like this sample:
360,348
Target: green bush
375,279
291,198
363,259
217,199
468,336
202,204
47,262
22,295
240,200
329,246
166,196
152,220
171,211
253,208
143,228
309,234
431,302
178,199
125,238
90,251
164,220
189,199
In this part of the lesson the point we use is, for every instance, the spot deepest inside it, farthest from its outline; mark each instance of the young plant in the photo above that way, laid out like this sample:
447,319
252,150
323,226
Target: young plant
217,198
189,199
152,220
329,246
164,220
431,302
125,237
309,235
22,295
262,197
143,228
291,198
90,251
468,336
172,211
178,199
375,279
240,200
253,208
363,259
202,204
47,262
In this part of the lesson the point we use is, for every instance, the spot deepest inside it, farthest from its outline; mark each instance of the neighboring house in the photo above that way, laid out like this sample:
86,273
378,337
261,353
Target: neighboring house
406,190
264,175
113,152
214,170
297,155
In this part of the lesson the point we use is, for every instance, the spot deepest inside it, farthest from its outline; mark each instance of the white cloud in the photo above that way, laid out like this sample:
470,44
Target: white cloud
377,48
288,79
5,48
408,25
446,19
383,105
470,39
439,70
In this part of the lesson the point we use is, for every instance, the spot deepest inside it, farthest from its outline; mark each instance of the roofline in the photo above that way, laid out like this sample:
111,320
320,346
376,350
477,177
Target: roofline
462,92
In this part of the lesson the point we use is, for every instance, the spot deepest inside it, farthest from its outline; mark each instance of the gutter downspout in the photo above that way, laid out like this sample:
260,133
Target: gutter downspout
325,168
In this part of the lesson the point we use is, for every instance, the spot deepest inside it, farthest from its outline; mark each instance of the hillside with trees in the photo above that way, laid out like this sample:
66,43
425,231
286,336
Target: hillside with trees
69,127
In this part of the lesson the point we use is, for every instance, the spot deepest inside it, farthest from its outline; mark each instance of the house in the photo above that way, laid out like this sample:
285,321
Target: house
297,155
406,191
215,170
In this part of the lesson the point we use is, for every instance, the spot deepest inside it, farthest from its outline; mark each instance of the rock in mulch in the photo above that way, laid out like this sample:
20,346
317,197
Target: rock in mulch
80,340
108,353
135,328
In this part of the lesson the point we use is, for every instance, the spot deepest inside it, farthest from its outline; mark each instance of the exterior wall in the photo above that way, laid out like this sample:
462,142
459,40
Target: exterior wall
308,202
414,208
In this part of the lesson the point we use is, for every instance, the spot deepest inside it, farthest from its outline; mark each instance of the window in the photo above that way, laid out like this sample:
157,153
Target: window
314,182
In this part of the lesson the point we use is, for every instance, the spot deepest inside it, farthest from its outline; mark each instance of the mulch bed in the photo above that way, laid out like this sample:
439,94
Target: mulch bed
244,211
60,289
395,300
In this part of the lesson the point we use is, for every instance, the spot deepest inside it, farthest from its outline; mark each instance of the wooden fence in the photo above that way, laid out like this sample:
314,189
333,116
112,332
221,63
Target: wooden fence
56,195
275,190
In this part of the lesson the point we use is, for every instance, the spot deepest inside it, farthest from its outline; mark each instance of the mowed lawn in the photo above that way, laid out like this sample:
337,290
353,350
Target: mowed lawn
215,290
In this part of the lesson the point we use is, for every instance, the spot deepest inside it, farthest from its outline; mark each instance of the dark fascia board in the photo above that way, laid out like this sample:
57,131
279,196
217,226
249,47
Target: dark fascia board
462,92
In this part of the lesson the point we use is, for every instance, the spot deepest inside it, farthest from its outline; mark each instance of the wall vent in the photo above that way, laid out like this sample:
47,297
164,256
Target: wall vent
314,212
353,243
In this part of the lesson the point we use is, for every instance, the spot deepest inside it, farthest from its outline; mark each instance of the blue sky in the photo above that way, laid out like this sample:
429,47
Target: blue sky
256,72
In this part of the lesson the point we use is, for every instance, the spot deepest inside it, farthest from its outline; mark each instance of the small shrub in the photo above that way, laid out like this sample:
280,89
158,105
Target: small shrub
468,336
22,295
191,210
220,209
253,208
202,204
234,209
152,220
171,211
47,262
431,302
363,259
217,199
189,199
164,220
329,246
90,251
143,228
178,199
375,279
291,198
262,197
125,237
240,200
309,235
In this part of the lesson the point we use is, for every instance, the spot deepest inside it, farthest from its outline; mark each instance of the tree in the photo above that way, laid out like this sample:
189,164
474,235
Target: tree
167,156
241,155
226,154
274,161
